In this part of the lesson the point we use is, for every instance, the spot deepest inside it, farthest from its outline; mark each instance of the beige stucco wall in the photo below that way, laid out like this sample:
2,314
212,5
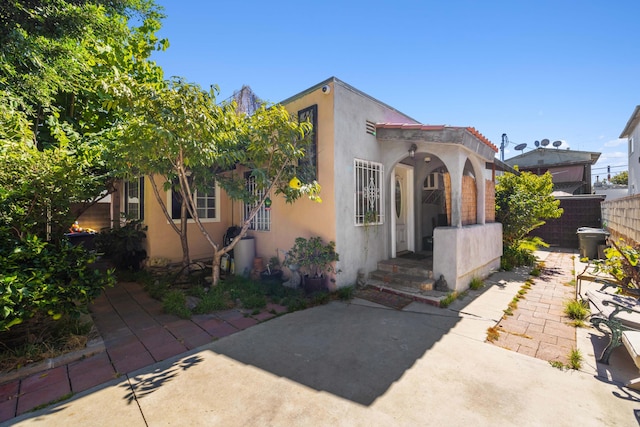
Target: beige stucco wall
163,242
305,218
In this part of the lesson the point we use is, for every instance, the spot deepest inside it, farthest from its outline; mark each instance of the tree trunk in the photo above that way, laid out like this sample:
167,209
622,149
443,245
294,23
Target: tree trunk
215,268
183,237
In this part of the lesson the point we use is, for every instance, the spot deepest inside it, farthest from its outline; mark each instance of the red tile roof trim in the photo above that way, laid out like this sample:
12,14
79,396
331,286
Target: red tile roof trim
418,126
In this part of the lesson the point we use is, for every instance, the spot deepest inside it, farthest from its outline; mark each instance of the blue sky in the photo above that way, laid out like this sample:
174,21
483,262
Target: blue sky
562,70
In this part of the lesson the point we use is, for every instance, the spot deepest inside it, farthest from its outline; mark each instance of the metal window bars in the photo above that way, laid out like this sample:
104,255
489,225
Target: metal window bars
369,191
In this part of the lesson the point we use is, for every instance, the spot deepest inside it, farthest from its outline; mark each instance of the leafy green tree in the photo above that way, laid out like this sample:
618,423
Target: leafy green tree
184,141
523,202
622,178
55,56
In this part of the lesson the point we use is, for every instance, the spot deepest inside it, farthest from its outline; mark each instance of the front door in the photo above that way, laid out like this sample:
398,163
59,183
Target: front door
402,207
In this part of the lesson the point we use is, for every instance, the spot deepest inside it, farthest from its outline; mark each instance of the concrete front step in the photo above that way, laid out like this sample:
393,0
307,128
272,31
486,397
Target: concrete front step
408,282
425,297
408,267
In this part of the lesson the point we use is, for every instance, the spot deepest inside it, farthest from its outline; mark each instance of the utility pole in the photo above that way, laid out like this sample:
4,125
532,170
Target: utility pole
505,142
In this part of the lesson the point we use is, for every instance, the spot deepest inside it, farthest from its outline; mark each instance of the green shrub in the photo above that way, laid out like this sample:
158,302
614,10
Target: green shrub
345,292
175,302
37,277
211,301
575,359
320,298
253,301
577,310
124,245
157,289
515,257
621,262
295,303
476,283
447,300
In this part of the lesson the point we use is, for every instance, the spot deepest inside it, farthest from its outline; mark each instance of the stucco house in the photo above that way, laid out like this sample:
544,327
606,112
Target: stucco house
631,131
570,169
390,186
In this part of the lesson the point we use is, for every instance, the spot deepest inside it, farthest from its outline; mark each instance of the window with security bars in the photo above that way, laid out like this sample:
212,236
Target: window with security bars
369,203
262,220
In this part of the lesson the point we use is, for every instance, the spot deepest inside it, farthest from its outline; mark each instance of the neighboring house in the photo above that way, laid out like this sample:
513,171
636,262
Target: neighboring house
571,174
610,191
570,169
621,216
389,185
632,133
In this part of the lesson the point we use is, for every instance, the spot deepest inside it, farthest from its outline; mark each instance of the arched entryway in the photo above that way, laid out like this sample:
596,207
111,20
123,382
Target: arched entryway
434,209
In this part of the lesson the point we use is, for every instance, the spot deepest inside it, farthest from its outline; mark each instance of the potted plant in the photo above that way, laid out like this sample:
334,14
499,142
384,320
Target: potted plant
315,258
273,271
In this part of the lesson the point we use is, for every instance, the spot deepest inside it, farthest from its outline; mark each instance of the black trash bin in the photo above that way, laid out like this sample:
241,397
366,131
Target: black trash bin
589,239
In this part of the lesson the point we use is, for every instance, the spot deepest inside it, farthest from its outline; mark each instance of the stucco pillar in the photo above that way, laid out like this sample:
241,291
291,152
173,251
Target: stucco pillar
454,163
481,191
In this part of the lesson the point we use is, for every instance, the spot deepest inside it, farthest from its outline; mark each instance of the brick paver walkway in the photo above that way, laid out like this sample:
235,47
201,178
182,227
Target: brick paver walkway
136,333
538,326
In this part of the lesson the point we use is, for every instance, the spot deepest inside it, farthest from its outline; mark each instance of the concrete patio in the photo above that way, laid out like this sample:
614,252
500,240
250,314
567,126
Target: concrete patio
360,363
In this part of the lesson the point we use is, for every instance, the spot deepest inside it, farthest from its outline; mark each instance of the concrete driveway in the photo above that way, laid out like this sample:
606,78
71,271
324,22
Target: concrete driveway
357,363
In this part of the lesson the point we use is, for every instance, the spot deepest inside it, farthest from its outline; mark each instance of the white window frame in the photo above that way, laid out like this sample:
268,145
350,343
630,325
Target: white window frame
262,220
128,201
368,179
203,219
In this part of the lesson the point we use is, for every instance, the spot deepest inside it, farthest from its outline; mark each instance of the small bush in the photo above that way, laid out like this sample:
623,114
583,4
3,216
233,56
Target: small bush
345,293
557,364
575,359
576,310
38,277
294,303
320,298
447,300
254,301
476,283
212,301
175,302
124,245
516,257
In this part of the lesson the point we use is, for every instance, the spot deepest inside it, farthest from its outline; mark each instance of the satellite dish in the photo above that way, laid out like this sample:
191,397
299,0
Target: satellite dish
537,143
557,143
521,147
544,142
